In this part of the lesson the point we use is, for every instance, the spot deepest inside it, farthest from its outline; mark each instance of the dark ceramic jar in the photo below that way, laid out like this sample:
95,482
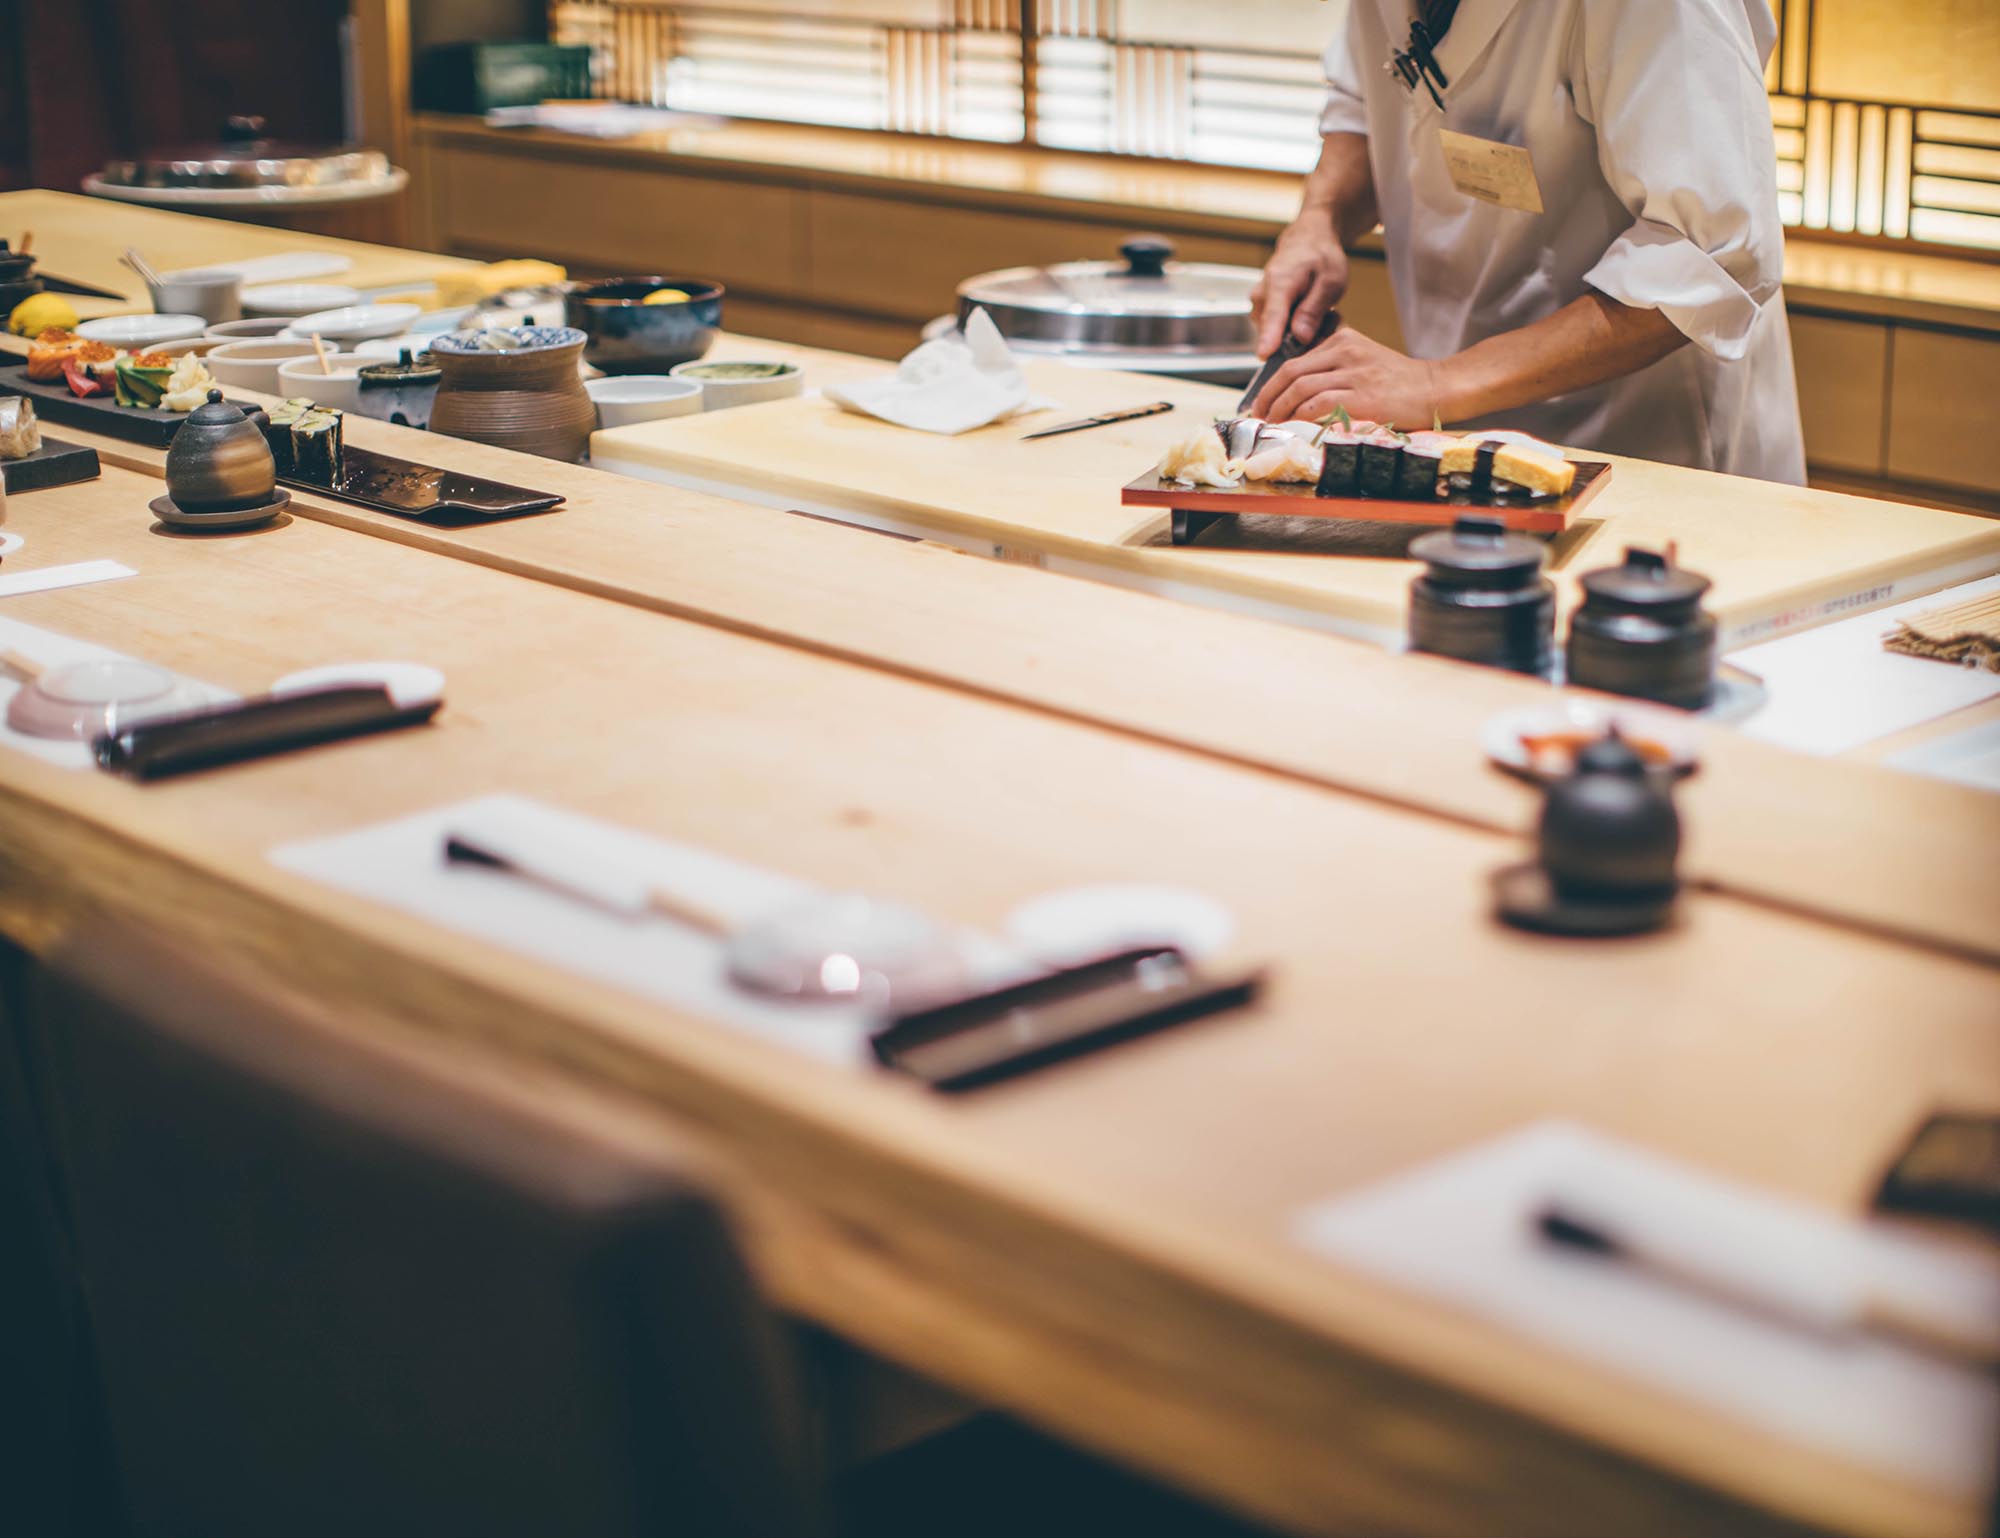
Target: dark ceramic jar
1609,830
1642,631
516,388
219,462
1483,598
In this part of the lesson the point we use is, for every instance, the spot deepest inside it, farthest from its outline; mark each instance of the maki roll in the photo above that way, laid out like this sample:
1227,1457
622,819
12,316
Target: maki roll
316,446
279,431
1380,460
1340,469
1418,476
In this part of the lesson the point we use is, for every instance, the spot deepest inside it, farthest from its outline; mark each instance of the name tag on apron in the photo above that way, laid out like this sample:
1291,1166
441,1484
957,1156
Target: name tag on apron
1502,174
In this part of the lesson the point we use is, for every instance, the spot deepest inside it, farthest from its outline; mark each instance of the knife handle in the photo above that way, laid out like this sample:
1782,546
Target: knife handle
1131,413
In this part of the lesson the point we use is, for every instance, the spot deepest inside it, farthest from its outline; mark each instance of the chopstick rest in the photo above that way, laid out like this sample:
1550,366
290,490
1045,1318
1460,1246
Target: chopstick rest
990,1036
255,728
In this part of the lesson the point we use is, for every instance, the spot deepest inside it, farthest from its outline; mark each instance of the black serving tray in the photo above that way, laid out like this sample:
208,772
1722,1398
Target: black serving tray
411,490
151,427
55,463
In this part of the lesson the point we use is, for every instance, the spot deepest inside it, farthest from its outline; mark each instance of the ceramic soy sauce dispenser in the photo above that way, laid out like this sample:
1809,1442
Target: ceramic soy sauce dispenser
1642,631
1483,597
1605,850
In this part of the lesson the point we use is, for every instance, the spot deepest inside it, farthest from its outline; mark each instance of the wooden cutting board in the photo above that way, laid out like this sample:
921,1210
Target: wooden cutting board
1781,557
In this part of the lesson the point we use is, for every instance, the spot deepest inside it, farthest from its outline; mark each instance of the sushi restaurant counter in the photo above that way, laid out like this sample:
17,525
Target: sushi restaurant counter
1782,558
1110,1247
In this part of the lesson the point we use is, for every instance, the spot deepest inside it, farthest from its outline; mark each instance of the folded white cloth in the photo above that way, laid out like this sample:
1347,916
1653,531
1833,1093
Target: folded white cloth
950,385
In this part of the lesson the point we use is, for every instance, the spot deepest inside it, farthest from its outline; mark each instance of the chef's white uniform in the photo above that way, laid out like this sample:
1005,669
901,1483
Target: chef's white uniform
1650,135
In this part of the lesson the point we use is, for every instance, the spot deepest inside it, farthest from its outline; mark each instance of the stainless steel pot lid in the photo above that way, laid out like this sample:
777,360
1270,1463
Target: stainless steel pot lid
245,158
1147,306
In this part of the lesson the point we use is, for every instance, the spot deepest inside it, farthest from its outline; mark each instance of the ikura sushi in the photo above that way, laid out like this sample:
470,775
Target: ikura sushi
140,379
1515,461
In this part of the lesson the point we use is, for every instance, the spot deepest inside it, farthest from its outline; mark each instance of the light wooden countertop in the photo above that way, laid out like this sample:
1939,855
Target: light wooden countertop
1781,557
82,238
1864,281
1102,1248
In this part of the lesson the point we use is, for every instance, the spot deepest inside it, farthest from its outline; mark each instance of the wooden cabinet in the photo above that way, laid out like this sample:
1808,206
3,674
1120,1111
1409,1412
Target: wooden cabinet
1943,426
1843,372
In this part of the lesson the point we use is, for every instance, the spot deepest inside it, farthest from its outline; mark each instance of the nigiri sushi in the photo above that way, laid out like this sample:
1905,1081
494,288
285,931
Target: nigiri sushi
1282,457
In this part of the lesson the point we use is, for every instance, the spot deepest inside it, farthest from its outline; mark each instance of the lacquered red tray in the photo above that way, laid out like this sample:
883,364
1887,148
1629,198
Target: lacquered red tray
1196,507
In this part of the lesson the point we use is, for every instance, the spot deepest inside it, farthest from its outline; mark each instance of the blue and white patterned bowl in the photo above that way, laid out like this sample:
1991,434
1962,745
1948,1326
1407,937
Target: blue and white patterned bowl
531,339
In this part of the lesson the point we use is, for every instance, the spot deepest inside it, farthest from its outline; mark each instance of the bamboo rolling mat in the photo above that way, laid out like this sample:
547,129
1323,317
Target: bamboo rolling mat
1966,633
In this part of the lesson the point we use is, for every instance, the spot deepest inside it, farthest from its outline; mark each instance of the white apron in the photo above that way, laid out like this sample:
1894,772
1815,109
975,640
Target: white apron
1650,135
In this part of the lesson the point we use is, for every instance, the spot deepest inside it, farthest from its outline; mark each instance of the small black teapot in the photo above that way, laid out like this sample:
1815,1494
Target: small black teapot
1606,847
219,462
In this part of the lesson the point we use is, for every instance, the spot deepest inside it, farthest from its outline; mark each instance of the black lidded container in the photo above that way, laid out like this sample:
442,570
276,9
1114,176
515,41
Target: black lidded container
1642,631
1483,597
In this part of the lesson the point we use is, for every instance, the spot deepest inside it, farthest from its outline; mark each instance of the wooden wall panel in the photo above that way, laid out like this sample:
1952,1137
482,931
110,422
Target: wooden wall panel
1843,371
601,219
1941,414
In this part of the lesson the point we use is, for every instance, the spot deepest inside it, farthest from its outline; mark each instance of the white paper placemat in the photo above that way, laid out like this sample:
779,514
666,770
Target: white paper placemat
402,865
1834,688
44,579
1462,1231
53,649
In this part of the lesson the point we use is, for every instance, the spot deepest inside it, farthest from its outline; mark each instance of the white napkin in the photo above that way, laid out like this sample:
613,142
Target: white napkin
950,385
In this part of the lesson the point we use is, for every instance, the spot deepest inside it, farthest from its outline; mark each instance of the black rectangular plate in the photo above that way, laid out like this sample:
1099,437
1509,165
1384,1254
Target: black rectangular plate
98,413
411,490
55,463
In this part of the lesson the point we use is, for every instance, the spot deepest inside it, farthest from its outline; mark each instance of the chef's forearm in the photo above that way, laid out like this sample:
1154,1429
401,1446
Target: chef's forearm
1586,342
1341,188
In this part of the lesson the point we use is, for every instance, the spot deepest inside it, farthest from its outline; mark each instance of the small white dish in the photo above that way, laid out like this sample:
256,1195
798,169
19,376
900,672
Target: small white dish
437,322
201,346
1540,741
263,328
356,322
334,386
624,399
297,298
1082,923
252,364
141,330
721,390
409,683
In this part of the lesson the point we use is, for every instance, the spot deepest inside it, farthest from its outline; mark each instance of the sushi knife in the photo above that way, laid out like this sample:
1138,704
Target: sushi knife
56,285
1287,350
1130,413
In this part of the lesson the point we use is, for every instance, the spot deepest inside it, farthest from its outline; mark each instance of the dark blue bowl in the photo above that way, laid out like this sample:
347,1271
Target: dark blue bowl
629,337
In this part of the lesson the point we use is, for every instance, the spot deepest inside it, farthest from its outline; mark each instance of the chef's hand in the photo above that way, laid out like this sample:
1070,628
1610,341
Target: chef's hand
1305,277
1375,384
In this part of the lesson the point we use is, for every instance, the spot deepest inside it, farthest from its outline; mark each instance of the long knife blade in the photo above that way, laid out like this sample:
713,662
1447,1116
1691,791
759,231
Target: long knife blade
1286,350
1130,413
56,285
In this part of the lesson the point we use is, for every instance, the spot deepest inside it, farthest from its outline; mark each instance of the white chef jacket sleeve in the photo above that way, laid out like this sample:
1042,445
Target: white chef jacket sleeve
1345,112
1675,89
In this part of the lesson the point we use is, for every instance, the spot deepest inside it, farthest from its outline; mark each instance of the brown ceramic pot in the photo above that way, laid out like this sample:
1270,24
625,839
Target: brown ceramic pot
529,398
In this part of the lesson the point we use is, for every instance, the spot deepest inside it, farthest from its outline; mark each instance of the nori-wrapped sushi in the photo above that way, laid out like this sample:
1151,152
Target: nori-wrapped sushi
316,446
1417,477
1381,459
278,430
1340,470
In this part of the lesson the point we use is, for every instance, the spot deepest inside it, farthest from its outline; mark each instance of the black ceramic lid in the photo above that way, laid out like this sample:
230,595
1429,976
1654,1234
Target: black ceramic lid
1645,580
406,371
216,412
1476,550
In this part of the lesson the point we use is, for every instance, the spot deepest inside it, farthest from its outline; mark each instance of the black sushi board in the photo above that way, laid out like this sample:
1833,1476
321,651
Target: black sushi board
1195,507
154,429
411,490
55,463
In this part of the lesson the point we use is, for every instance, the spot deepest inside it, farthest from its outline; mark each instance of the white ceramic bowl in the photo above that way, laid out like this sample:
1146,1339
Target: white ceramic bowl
297,298
623,399
356,322
340,389
215,296
200,345
262,328
141,330
718,394
252,364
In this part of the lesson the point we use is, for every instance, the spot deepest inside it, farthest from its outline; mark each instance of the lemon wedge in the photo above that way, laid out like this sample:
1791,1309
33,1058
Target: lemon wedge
666,296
